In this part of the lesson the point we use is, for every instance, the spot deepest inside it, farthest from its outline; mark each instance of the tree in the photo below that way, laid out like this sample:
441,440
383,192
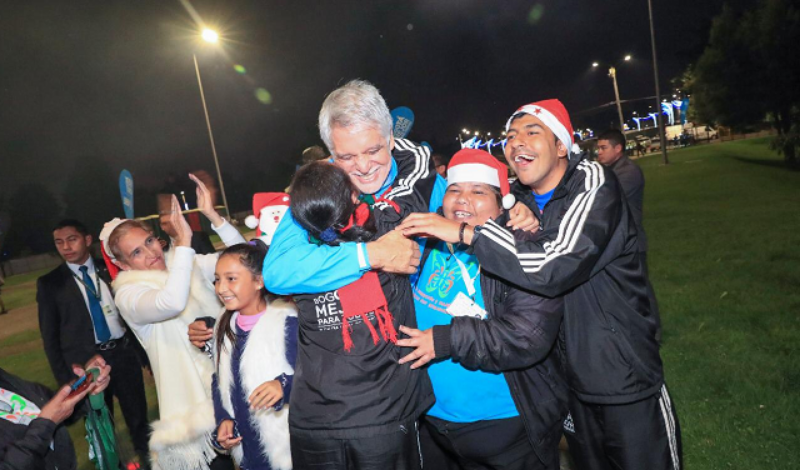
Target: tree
749,71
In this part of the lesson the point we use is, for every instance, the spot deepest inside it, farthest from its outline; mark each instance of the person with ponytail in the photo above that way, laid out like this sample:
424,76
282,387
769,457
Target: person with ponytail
353,405
159,295
256,346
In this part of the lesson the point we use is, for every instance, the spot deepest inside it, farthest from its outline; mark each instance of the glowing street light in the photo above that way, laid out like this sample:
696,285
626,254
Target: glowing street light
209,35
627,57
212,37
595,64
465,131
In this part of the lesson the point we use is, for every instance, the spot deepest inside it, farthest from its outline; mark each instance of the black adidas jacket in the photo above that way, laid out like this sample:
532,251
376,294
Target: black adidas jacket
587,251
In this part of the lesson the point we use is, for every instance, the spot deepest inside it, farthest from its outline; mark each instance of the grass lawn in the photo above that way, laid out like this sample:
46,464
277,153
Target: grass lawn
724,234
725,262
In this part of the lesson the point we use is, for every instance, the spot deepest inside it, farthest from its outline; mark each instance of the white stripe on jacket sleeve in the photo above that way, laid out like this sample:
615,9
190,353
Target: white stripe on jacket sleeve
569,230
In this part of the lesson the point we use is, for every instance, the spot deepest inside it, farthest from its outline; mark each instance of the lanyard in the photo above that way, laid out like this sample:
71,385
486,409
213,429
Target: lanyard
468,281
96,291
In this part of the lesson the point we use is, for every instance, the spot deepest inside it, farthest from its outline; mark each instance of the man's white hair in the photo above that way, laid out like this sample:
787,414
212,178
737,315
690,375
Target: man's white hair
358,105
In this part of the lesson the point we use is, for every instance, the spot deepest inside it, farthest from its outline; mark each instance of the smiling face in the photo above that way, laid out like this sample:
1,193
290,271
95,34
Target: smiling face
537,157
140,250
71,245
473,203
237,287
365,154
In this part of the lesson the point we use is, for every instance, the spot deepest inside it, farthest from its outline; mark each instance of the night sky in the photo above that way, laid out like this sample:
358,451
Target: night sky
112,82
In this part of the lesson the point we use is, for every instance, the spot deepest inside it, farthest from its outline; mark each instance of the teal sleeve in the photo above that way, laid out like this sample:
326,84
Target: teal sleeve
295,266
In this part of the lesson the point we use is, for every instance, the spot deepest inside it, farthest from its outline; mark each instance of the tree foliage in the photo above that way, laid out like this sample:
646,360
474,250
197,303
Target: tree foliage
750,70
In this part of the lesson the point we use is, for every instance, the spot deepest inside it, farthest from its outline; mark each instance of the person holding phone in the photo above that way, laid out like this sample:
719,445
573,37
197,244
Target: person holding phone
33,434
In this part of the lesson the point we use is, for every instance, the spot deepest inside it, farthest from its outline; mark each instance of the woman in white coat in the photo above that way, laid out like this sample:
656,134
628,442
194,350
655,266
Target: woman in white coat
159,295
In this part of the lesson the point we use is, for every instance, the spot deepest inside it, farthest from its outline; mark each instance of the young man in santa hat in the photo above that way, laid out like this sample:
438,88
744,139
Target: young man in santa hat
621,416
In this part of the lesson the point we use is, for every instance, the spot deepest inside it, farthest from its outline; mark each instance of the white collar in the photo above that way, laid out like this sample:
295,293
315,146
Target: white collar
76,268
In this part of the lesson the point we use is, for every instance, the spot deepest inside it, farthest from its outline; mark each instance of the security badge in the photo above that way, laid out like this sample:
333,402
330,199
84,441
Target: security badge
463,306
108,311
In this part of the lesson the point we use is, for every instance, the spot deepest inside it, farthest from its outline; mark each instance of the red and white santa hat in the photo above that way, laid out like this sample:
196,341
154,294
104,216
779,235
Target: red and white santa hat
478,166
262,200
554,115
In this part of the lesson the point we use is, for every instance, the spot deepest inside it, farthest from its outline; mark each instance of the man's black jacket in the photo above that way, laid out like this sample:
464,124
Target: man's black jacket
586,251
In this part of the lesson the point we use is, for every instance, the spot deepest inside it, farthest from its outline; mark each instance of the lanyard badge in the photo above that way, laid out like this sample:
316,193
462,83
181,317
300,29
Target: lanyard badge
464,305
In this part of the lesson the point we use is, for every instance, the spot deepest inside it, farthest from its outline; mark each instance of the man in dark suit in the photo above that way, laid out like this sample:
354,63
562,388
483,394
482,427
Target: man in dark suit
78,319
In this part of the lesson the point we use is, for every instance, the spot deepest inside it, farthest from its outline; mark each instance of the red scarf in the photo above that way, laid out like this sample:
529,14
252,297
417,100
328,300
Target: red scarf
359,299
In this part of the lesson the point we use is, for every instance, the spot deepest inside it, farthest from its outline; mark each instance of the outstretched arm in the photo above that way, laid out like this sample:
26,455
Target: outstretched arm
557,258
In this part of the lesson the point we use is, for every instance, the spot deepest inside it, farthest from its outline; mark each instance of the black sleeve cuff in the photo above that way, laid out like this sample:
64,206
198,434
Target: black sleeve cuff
441,341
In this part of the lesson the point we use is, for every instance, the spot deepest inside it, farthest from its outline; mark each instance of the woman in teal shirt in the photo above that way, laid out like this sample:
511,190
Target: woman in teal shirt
500,397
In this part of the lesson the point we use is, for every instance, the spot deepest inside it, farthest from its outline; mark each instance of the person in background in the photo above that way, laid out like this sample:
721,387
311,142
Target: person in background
611,153
440,163
33,419
78,318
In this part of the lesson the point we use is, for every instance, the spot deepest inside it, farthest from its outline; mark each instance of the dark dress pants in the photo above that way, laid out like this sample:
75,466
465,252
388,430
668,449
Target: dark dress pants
127,384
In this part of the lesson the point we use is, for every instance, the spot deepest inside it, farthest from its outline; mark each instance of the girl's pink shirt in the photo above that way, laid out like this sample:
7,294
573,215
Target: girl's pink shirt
247,322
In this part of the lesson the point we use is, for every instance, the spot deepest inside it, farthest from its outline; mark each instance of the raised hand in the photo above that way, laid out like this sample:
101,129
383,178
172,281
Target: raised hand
183,233
205,202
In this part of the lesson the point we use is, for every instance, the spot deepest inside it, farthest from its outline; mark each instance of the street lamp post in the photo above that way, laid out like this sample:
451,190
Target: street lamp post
658,90
612,72
211,37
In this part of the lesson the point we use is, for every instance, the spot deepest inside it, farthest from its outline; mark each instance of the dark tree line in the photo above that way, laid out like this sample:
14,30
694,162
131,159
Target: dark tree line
750,71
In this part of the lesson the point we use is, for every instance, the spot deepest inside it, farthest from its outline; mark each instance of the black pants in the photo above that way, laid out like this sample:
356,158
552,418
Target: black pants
634,436
127,384
396,451
222,462
482,445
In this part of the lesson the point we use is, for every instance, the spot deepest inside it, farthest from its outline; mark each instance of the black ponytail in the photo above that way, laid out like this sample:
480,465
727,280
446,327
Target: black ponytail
251,255
322,203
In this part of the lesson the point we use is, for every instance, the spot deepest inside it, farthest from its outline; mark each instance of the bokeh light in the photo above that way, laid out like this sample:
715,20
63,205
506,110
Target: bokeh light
240,69
263,96
536,13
